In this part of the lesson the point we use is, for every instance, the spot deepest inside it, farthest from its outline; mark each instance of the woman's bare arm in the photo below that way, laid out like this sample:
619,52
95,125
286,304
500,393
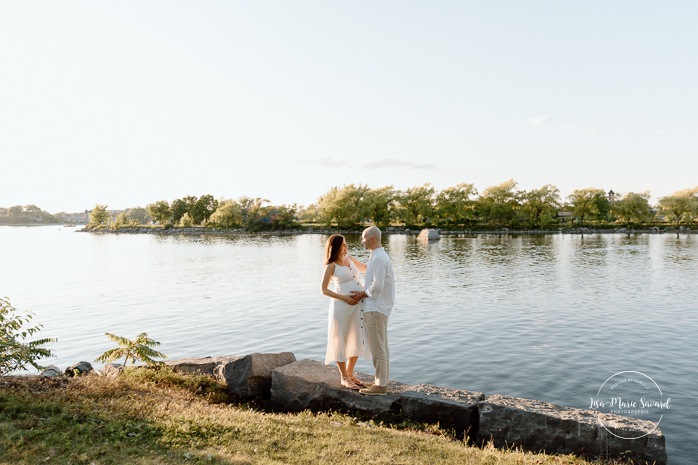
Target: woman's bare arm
329,270
359,265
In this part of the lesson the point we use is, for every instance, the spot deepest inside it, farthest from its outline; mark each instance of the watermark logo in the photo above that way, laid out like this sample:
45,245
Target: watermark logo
630,394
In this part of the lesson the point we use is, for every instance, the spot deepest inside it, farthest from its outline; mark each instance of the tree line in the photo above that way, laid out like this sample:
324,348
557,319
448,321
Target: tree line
254,214
27,214
459,207
499,206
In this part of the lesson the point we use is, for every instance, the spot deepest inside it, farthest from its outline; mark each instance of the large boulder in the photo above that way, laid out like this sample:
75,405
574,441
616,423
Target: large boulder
312,385
250,376
453,409
51,371
79,369
200,365
539,426
429,235
111,370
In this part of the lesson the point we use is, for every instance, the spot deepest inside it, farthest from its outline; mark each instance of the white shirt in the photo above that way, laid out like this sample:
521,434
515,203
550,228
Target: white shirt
380,283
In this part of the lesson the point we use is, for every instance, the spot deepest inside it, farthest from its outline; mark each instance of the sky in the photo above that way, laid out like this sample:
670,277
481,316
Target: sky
130,102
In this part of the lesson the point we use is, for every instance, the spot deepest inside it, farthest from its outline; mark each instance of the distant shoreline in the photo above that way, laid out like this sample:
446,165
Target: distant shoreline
34,224
392,230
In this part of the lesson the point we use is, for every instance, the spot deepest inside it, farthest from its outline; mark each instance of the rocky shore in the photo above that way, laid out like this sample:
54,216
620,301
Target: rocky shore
291,385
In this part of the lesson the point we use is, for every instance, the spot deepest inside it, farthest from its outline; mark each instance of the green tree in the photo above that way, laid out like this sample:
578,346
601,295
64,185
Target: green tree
499,204
181,206
309,214
228,215
15,213
589,204
632,208
282,217
160,211
178,208
540,206
328,208
16,353
680,207
99,216
253,212
138,215
379,204
455,206
140,348
29,214
121,220
603,207
203,208
416,205
344,206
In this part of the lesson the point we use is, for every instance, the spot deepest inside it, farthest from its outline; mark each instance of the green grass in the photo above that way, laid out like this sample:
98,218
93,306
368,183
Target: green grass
158,417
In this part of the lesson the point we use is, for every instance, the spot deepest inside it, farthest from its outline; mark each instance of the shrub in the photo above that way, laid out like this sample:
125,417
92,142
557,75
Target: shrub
16,353
186,221
140,348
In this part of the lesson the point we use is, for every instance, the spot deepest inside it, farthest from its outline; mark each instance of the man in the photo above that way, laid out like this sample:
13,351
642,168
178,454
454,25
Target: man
378,297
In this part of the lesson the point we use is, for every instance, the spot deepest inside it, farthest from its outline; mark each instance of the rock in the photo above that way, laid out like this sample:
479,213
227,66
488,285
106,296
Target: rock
648,449
539,426
79,369
51,371
312,385
111,370
200,365
451,408
429,235
250,376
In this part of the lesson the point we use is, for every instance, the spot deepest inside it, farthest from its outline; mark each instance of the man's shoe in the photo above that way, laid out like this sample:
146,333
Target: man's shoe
374,390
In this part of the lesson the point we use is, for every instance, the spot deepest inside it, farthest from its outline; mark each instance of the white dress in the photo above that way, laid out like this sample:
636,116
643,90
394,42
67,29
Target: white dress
345,329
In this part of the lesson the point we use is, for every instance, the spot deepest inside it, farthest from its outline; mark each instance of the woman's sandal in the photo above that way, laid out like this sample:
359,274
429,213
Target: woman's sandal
349,384
356,380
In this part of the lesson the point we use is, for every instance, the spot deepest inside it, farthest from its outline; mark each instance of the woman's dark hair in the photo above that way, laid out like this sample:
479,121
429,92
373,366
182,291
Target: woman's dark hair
332,248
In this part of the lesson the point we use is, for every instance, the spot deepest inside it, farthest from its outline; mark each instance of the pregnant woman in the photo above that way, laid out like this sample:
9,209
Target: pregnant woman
345,332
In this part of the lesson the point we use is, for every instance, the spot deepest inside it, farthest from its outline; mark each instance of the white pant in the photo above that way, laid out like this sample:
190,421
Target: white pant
377,335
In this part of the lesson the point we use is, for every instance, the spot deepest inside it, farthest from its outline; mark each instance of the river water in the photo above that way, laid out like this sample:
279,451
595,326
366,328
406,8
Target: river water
547,317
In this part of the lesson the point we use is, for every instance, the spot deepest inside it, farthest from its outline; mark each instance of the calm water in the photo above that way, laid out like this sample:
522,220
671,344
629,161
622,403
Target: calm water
542,317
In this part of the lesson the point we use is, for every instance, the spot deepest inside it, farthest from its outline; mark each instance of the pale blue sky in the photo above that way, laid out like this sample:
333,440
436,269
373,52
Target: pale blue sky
129,102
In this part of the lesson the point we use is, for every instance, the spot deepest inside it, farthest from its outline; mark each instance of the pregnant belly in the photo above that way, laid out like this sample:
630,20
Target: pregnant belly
346,288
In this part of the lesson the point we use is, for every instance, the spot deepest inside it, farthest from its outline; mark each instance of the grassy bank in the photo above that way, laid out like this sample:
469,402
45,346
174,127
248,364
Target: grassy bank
157,417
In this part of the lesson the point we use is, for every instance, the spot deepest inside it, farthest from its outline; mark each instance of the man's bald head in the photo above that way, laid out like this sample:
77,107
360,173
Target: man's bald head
371,238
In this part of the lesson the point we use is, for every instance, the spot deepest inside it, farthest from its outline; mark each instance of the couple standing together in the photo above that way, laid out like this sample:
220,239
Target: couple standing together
358,315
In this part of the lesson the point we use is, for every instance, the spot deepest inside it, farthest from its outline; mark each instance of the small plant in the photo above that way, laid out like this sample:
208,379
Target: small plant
140,348
15,352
